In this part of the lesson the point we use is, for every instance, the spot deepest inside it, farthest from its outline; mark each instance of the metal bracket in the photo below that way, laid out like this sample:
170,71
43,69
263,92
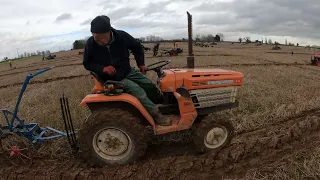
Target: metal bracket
68,123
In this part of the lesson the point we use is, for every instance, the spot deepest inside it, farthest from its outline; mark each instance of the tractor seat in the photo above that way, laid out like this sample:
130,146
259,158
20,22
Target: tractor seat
99,79
116,84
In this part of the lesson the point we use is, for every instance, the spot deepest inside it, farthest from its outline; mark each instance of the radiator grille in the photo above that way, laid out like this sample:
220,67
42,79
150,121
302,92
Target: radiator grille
213,97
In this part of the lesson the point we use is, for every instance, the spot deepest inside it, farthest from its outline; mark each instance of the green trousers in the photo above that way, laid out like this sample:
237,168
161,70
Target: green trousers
143,89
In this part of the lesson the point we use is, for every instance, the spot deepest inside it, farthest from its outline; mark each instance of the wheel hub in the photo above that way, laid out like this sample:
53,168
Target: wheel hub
216,137
110,143
115,144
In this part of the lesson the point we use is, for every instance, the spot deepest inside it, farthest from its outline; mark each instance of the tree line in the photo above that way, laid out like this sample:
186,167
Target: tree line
208,38
265,41
27,54
37,53
80,44
219,37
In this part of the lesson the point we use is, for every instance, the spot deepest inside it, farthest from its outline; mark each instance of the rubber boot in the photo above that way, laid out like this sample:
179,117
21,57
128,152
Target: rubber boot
161,119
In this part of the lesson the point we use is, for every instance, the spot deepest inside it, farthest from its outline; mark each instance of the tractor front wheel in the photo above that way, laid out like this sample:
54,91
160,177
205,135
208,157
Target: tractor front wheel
112,137
213,134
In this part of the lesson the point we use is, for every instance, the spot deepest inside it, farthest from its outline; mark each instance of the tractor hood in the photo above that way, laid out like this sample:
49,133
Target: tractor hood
201,71
200,78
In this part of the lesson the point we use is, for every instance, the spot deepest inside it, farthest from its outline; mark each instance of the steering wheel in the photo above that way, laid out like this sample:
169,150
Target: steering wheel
158,65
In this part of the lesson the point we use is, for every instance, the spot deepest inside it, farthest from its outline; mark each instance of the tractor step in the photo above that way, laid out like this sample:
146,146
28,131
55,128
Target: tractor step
169,108
173,127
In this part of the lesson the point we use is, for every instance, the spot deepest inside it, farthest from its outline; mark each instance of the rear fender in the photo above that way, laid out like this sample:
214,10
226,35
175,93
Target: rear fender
126,98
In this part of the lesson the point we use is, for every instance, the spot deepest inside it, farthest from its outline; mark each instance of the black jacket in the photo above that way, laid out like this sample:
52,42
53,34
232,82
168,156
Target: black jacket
96,57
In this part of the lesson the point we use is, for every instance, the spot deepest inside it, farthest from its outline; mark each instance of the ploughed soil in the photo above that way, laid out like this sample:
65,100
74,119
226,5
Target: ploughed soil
261,148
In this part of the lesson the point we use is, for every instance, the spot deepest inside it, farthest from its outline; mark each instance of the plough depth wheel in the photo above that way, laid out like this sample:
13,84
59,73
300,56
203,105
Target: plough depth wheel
16,149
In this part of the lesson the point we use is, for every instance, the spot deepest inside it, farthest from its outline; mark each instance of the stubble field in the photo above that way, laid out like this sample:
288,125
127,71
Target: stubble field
276,123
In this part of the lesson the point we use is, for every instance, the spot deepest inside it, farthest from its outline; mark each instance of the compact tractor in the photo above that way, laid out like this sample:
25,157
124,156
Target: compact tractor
315,60
49,57
172,52
276,47
116,131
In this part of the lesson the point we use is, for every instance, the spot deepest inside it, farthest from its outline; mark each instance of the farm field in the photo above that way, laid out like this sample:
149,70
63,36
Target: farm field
276,124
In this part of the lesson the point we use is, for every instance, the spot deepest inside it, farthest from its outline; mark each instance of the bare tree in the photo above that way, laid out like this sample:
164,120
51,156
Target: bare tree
247,39
142,39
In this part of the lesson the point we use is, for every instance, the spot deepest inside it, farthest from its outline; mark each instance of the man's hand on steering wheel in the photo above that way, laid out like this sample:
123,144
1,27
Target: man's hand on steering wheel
158,65
155,66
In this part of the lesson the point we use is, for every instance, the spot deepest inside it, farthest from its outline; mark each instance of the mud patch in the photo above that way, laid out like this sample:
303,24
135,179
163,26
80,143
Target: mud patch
248,150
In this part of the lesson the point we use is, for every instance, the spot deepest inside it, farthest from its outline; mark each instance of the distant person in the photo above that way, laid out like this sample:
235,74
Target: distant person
10,63
155,49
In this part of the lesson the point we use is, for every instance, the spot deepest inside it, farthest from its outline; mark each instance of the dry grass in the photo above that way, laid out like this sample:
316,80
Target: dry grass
52,74
298,166
34,60
41,104
269,94
273,93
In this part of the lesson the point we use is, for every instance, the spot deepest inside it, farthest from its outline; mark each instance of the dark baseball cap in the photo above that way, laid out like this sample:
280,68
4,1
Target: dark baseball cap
100,24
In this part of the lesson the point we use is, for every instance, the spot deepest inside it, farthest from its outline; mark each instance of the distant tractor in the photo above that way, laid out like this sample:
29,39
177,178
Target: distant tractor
276,47
315,60
49,57
172,52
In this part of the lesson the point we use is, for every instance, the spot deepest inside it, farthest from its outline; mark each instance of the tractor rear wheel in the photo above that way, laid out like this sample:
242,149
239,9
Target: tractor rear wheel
112,137
213,134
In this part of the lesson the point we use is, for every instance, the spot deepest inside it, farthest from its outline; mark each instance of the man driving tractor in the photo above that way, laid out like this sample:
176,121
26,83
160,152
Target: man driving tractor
107,54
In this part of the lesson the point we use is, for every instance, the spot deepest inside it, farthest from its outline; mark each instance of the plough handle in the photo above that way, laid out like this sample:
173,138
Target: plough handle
42,71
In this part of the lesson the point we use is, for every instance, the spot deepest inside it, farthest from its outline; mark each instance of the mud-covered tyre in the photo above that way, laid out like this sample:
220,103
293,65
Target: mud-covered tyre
212,134
112,137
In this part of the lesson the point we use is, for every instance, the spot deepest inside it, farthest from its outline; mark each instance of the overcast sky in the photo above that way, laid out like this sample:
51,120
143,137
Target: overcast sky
55,24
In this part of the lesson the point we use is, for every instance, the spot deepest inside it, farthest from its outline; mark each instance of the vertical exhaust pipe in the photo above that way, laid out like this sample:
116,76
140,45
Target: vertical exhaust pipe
190,58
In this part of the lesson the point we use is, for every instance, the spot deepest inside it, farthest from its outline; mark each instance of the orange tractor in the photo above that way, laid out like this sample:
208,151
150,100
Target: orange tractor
116,131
